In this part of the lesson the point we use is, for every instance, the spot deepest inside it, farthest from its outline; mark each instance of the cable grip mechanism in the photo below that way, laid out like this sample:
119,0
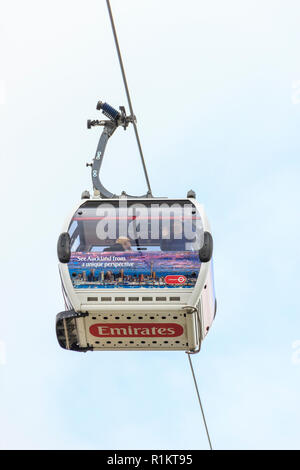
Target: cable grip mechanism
115,119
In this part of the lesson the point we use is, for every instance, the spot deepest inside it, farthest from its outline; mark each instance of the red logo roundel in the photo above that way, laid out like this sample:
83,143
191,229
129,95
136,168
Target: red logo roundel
135,330
175,279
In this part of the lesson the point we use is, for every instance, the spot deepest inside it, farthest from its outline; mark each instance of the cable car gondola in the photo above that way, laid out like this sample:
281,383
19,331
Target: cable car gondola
136,272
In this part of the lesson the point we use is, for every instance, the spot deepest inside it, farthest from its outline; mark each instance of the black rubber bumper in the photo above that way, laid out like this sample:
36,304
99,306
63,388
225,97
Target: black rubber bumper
66,331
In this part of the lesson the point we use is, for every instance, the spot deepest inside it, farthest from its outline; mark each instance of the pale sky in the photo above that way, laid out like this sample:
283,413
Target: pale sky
216,90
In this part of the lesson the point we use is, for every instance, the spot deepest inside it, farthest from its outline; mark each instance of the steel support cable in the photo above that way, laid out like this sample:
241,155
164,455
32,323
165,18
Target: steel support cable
199,399
147,178
128,94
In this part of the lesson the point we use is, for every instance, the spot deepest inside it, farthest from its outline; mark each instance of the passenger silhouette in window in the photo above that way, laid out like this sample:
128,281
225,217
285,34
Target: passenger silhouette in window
122,244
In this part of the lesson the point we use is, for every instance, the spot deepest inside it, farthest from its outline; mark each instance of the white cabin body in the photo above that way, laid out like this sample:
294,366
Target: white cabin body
134,280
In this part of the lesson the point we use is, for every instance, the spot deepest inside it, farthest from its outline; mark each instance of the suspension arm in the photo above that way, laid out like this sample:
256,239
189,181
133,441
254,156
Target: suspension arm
116,119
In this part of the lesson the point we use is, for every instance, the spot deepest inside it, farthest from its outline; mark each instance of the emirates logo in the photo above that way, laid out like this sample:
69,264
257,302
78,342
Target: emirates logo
136,330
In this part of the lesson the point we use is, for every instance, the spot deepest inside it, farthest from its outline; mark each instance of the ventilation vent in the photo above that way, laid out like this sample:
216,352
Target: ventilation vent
175,299
92,299
106,299
133,299
147,299
161,299
120,299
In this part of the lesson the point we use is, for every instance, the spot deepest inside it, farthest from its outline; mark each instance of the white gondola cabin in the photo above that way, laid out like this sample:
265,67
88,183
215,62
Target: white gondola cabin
137,274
